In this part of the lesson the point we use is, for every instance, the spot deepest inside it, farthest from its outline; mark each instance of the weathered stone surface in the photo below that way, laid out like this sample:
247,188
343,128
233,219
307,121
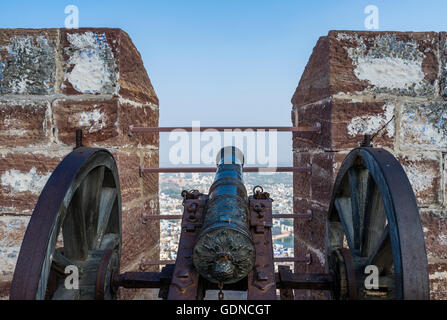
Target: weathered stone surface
28,61
311,233
130,181
443,66
97,118
309,239
90,61
435,232
424,175
445,183
24,123
314,84
104,61
134,81
352,120
438,280
138,116
323,177
301,179
424,126
150,180
386,62
140,240
22,177
370,62
309,115
12,230
344,124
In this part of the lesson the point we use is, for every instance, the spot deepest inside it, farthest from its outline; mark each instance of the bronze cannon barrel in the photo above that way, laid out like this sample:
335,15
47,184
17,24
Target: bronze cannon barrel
224,251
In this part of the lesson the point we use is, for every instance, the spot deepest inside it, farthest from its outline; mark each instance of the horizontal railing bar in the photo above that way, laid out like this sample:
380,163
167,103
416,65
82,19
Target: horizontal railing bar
315,128
274,216
213,169
307,259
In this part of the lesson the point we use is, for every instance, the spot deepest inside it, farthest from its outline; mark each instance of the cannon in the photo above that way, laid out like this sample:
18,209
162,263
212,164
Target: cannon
226,238
224,251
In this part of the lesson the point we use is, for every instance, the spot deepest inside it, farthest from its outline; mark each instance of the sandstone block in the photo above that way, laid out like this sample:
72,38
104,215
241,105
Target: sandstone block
435,232
424,176
104,61
28,61
22,177
128,164
24,123
370,62
424,126
344,124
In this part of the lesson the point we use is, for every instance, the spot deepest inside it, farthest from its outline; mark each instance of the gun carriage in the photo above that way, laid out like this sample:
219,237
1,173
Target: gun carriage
226,238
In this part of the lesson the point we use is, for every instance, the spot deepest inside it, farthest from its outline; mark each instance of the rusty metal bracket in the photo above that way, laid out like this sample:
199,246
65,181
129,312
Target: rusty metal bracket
185,281
261,281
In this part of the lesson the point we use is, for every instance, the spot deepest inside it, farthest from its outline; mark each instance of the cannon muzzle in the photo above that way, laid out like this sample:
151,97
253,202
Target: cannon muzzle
224,251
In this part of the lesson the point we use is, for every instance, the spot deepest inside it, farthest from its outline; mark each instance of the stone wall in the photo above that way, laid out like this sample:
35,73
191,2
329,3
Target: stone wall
354,84
52,82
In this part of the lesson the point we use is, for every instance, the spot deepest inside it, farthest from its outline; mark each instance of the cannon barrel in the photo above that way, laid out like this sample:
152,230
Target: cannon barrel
224,251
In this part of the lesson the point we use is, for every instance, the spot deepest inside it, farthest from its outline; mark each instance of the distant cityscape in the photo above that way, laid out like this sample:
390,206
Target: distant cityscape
279,185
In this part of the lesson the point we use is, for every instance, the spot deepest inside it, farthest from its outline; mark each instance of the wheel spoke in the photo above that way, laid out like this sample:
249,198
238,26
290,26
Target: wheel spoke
107,204
344,207
355,191
334,235
74,229
91,195
382,255
375,220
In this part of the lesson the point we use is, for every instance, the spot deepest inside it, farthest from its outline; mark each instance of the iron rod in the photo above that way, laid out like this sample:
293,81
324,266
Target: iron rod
306,258
210,169
274,216
315,128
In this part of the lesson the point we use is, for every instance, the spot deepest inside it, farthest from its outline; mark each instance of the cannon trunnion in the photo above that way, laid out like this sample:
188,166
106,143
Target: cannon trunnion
372,223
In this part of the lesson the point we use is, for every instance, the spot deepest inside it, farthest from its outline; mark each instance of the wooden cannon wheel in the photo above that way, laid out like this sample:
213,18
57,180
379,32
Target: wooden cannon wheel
76,222
373,219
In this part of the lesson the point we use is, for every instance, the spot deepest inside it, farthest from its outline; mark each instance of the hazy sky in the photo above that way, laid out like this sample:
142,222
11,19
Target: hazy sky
227,62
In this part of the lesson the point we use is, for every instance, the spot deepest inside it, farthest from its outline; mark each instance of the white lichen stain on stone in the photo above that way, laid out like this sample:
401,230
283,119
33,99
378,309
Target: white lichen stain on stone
438,276
371,124
442,239
421,177
387,72
94,120
19,181
389,64
424,126
10,244
93,63
29,68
